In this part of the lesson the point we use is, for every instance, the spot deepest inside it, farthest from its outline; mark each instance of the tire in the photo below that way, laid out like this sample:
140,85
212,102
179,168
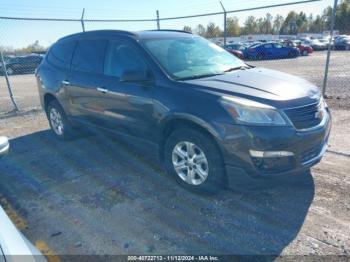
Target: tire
305,53
58,121
291,54
9,71
260,56
212,163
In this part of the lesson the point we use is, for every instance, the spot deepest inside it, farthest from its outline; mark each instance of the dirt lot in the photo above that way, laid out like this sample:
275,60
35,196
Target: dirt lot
310,67
108,195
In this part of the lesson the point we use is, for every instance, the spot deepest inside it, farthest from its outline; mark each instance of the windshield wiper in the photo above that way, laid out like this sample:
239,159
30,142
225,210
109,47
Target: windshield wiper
237,68
197,76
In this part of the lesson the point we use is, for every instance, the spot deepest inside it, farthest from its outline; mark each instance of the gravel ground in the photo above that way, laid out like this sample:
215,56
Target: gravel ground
310,67
108,195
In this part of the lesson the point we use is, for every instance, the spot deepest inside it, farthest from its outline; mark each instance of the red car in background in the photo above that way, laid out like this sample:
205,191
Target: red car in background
237,53
235,49
304,49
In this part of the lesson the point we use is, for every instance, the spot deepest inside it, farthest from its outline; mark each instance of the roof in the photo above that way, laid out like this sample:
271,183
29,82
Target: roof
148,34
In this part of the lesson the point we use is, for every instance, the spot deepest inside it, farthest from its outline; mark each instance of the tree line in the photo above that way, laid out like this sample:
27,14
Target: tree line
292,24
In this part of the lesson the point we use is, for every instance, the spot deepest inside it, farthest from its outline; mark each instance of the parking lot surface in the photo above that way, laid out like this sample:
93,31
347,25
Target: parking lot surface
105,194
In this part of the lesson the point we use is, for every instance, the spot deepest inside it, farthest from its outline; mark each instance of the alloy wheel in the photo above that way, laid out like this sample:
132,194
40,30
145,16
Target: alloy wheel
190,163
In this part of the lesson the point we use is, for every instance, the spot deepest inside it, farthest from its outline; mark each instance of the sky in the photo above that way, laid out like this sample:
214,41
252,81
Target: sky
20,33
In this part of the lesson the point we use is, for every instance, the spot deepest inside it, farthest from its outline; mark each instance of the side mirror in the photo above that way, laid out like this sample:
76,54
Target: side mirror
4,146
136,76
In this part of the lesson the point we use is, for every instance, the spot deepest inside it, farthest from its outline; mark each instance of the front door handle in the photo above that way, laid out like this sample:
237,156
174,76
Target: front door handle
102,90
65,82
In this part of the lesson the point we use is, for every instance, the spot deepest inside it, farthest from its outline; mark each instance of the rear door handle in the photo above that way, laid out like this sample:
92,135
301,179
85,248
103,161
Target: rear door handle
102,90
65,82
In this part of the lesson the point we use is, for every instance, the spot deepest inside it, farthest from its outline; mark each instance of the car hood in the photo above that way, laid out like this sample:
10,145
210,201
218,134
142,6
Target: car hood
261,84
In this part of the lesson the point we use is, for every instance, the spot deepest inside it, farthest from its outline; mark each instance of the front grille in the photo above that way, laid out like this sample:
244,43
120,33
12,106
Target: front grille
310,153
305,116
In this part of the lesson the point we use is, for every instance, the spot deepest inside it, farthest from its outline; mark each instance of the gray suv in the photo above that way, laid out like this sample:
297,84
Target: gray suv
210,115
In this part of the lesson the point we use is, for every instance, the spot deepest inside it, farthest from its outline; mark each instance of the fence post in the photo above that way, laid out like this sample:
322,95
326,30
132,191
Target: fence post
82,20
158,23
329,48
225,20
8,82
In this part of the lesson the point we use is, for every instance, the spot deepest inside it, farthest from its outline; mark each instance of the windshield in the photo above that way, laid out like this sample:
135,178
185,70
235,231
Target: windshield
191,57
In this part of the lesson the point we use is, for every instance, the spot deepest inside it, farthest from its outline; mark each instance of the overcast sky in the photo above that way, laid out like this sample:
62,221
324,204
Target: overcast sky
21,33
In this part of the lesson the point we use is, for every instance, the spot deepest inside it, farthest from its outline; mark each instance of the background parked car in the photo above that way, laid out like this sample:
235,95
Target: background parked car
235,50
22,64
342,42
303,49
315,44
270,50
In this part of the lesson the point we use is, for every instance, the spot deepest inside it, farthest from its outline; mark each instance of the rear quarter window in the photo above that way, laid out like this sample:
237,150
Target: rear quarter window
89,56
61,54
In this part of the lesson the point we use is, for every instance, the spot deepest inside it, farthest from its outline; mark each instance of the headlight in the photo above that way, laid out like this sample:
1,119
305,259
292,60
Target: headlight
249,112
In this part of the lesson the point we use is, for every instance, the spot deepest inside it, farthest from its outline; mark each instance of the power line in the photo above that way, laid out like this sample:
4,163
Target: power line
162,19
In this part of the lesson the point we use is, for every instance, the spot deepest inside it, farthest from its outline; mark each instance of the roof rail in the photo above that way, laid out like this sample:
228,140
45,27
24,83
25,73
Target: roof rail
171,30
102,31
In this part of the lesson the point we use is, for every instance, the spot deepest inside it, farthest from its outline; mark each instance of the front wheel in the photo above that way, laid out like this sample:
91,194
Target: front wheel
194,160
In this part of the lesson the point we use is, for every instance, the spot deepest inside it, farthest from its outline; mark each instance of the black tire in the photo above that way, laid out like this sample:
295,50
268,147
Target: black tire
216,178
68,131
260,56
291,54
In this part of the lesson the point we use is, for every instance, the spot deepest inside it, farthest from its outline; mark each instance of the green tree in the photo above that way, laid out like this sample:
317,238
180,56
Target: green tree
289,26
213,30
342,21
232,26
200,30
277,24
250,26
187,28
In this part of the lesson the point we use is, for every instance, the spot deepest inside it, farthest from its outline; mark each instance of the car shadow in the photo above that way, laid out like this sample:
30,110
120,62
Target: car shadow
112,190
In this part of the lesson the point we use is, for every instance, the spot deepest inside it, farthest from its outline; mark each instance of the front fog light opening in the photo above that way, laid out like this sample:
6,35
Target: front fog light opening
269,154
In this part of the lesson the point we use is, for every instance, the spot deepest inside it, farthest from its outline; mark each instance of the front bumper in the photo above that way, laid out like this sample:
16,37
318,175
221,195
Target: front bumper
307,146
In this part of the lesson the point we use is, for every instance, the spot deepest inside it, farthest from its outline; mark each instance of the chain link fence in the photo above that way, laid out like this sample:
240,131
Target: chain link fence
263,41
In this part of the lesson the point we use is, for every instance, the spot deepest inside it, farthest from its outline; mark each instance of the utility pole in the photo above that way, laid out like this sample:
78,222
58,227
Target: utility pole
158,24
225,20
329,48
82,20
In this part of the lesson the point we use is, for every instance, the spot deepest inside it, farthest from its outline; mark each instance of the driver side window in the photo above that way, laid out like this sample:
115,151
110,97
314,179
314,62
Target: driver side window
123,57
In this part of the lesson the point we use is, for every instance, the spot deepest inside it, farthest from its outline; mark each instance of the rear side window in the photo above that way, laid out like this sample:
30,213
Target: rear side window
89,56
61,54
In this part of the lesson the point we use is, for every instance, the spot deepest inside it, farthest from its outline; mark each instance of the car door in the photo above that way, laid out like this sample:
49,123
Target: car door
127,104
85,79
279,50
268,50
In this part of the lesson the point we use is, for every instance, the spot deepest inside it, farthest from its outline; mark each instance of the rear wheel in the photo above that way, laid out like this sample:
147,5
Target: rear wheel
194,160
58,121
